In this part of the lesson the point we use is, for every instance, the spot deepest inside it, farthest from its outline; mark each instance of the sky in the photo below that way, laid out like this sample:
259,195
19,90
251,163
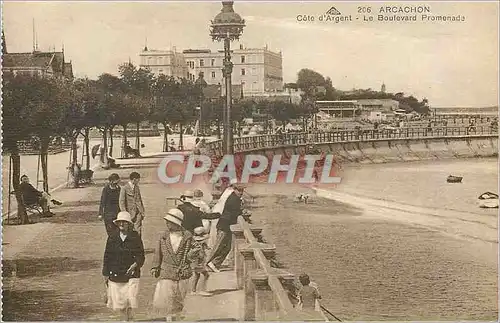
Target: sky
449,63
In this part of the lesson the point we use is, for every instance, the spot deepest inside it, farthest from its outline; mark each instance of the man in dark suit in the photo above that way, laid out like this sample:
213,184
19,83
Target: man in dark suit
231,209
33,196
192,214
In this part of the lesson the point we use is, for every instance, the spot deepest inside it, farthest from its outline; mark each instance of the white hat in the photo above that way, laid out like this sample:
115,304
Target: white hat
187,196
197,194
123,216
175,216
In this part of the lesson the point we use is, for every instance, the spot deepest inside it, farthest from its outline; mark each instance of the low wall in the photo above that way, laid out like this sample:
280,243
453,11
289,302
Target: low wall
397,150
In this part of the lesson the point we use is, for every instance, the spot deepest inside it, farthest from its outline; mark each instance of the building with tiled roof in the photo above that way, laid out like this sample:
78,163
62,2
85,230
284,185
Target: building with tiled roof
38,63
45,64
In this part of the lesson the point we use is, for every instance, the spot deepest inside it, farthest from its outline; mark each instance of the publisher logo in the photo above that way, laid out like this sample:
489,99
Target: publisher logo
333,11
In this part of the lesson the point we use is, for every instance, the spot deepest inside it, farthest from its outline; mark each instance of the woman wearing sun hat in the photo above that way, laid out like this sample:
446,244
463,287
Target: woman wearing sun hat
172,265
123,259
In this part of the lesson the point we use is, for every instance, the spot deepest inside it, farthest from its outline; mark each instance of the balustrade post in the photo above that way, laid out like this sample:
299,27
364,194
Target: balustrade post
265,302
250,264
239,241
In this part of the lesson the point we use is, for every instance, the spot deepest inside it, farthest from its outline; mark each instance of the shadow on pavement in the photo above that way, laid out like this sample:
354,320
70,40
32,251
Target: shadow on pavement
79,203
148,165
29,267
42,305
222,291
162,319
219,320
73,217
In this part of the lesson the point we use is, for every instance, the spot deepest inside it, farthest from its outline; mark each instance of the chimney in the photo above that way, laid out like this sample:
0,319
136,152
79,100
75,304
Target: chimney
241,46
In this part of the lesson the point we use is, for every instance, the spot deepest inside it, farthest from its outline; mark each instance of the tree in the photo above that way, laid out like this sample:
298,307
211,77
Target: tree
241,110
316,87
110,101
332,93
15,109
186,97
282,111
48,100
138,86
73,121
212,110
309,81
163,93
90,100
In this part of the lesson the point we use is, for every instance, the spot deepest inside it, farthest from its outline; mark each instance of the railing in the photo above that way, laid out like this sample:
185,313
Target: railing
250,143
266,298
29,148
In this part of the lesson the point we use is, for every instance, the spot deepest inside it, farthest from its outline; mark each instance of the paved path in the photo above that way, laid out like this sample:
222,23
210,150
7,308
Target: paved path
58,173
58,262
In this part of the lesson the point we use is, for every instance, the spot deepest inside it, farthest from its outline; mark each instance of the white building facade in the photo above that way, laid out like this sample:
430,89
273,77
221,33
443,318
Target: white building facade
167,62
258,70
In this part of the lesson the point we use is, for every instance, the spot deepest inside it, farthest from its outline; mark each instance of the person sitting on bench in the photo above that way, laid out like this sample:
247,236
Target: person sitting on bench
131,151
32,196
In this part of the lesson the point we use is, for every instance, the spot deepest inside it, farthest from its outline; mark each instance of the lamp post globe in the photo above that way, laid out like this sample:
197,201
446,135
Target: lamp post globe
227,26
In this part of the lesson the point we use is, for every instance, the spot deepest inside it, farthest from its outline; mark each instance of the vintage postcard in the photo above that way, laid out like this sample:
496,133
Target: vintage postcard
250,161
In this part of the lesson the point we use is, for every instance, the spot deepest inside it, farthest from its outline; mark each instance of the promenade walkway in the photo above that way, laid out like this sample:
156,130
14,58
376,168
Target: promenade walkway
52,269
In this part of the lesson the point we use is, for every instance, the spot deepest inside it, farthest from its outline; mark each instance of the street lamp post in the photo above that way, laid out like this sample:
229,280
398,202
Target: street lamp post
200,130
227,26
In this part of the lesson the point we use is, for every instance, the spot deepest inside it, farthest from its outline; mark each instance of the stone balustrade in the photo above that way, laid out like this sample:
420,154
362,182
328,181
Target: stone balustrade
259,142
266,298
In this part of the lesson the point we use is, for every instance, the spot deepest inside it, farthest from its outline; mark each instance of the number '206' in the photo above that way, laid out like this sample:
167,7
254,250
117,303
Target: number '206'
364,9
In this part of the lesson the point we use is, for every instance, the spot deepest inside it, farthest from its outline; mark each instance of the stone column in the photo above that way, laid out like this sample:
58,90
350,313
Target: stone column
265,302
244,280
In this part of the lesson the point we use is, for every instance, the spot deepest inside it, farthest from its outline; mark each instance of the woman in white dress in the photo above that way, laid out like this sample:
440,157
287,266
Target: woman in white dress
172,265
123,259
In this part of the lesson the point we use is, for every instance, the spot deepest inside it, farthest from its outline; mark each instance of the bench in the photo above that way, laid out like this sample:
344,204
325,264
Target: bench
83,176
31,208
175,199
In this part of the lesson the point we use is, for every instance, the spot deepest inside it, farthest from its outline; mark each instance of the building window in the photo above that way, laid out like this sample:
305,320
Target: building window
213,75
202,63
242,59
201,74
243,71
213,61
160,71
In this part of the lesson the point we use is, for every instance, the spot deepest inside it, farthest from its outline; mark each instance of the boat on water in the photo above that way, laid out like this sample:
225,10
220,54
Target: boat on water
488,200
454,179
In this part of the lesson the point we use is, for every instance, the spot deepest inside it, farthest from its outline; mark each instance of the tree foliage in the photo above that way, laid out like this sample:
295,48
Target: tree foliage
317,87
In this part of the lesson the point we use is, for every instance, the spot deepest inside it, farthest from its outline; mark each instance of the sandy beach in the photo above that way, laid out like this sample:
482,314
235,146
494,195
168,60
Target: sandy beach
376,263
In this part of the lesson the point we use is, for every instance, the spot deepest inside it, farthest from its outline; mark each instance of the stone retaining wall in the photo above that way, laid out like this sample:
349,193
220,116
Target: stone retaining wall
397,150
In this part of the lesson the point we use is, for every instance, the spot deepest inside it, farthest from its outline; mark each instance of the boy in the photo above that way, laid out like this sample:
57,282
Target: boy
308,294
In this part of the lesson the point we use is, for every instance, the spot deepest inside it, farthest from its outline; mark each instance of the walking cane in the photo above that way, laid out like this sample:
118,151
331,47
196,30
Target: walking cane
326,310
